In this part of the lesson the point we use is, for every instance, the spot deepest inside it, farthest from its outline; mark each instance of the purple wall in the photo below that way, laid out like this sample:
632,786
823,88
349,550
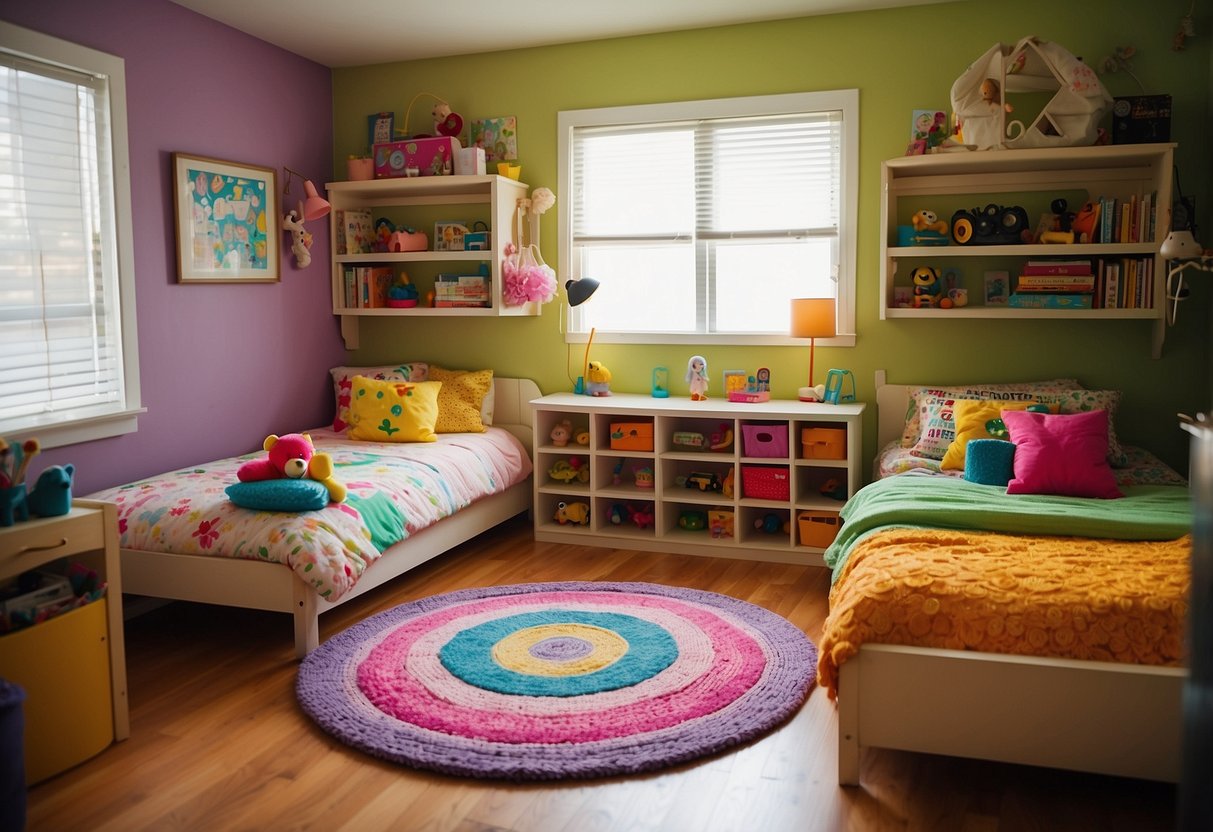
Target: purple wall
221,366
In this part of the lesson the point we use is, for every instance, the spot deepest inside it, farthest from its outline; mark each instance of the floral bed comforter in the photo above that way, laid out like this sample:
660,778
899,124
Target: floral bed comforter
395,490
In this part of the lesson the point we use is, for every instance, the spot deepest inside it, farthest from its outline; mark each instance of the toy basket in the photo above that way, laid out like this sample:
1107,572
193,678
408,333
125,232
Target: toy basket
769,441
765,482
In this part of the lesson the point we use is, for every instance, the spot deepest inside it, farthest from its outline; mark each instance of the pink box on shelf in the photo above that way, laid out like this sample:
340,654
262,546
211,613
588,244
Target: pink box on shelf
416,157
765,440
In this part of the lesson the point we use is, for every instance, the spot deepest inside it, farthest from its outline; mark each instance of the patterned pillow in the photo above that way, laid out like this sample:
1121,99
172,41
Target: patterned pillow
1084,401
1023,390
937,416
461,399
981,419
343,378
393,411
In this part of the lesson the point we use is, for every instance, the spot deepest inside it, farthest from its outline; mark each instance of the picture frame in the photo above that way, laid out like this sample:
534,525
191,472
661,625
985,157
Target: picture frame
227,222
498,136
997,288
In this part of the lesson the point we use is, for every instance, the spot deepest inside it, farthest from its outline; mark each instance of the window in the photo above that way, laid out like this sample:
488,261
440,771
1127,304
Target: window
68,362
701,220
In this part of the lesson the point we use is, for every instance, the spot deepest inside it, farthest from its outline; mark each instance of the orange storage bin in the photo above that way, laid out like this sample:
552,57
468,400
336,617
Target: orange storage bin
818,528
631,436
824,443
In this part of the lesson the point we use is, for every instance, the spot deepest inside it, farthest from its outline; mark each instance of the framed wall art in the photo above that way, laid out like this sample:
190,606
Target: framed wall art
227,221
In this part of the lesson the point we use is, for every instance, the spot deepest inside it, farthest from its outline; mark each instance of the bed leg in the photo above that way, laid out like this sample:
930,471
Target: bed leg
848,723
307,620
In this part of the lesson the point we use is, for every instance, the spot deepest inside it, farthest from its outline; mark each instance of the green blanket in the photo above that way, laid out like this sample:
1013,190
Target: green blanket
1146,512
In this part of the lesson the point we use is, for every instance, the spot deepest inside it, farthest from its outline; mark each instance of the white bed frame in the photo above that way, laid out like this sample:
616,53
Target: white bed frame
1102,717
251,584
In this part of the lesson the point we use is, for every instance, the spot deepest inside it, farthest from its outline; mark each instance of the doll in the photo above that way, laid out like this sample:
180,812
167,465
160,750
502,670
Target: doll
697,378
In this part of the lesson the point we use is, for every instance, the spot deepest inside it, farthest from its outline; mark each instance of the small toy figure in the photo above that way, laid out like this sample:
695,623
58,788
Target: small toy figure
301,239
561,433
598,379
577,514
697,378
991,93
925,220
926,286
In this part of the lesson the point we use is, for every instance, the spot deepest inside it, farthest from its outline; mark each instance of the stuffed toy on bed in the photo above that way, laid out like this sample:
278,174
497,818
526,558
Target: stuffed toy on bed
291,477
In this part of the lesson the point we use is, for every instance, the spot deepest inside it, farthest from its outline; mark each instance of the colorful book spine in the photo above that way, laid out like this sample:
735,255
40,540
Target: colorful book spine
1057,267
1055,282
1049,301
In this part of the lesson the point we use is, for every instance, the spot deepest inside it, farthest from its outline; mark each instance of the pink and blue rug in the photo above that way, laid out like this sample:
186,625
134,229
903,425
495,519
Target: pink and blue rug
558,680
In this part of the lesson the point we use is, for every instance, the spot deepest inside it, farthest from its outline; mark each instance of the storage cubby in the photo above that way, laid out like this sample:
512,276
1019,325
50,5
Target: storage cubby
697,497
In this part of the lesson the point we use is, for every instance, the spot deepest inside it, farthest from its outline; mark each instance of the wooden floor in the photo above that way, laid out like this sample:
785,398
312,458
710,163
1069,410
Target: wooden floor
218,742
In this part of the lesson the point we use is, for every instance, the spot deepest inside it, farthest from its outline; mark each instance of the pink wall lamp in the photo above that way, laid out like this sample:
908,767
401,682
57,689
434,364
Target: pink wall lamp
312,207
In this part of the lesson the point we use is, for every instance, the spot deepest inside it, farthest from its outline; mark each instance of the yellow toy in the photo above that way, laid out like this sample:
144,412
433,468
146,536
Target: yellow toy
925,220
926,286
598,379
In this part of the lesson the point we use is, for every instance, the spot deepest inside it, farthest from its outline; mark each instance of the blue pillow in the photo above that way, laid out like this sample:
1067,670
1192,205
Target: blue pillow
990,461
280,495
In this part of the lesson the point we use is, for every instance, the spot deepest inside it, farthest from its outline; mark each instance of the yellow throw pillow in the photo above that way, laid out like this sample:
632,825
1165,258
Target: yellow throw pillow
460,399
393,410
981,419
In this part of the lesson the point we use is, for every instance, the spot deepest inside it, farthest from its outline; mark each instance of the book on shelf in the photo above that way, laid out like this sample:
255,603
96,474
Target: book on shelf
379,281
1126,283
1055,283
1132,220
1037,300
1057,267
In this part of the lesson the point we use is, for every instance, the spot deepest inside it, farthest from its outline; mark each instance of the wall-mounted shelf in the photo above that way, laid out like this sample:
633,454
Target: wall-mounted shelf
949,181
496,194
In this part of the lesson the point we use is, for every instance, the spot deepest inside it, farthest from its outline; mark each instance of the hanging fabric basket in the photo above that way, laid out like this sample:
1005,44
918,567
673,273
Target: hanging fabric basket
525,277
1069,119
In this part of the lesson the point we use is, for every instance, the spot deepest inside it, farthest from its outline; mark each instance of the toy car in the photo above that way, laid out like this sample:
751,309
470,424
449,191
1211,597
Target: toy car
704,481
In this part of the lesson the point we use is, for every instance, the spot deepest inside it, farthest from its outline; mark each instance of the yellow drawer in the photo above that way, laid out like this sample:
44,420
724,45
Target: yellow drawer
64,667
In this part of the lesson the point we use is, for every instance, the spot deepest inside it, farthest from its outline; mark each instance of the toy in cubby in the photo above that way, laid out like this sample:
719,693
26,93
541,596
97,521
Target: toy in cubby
693,520
772,523
720,523
641,516
577,514
574,468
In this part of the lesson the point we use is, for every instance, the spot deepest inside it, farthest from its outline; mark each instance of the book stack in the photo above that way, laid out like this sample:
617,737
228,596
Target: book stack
1054,284
458,290
366,287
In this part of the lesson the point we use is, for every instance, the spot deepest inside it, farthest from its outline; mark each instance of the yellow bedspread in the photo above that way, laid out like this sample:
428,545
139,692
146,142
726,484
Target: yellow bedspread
1066,597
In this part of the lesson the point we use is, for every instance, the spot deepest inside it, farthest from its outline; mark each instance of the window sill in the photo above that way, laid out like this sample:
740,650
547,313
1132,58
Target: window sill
723,340
82,430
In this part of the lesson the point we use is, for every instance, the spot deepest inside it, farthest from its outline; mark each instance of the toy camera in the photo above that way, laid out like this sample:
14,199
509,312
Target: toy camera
993,225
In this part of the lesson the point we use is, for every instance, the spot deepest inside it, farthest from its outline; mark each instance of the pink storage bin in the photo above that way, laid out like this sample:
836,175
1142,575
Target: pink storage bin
765,440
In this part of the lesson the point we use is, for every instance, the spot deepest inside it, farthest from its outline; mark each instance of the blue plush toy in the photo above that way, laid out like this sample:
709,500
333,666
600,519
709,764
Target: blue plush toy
52,494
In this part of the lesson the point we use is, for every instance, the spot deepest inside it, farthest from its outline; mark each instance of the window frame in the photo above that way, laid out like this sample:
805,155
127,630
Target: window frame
845,101
58,430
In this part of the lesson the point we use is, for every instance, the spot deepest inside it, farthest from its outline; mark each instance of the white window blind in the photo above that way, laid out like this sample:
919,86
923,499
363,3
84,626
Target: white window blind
708,225
63,356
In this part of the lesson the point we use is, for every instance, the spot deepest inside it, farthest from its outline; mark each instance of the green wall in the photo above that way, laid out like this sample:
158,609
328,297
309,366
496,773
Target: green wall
900,60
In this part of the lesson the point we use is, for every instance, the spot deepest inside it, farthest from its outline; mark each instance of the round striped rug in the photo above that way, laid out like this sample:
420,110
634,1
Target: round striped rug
555,680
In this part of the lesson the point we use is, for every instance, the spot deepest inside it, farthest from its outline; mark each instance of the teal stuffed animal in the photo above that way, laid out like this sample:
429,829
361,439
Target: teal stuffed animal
52,494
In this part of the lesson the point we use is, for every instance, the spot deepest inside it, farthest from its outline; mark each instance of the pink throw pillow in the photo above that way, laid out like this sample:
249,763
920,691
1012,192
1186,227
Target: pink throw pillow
1064,454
